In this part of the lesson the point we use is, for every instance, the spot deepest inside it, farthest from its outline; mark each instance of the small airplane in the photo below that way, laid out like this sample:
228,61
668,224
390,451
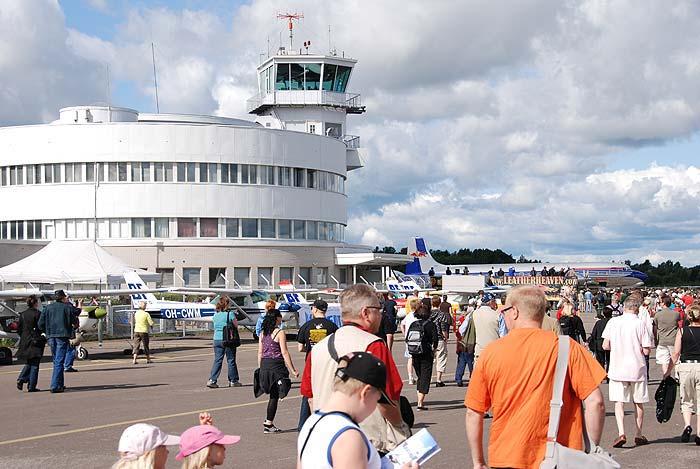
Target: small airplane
594,273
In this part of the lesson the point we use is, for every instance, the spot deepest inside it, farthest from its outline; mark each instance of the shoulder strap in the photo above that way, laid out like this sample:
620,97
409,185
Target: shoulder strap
331,348
308,435
556,403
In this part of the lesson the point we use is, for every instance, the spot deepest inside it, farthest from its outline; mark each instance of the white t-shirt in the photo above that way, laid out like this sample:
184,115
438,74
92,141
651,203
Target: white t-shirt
627,335
317,452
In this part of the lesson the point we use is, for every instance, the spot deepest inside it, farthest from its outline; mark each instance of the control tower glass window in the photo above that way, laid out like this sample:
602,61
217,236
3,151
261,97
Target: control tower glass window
312,74
341,79
328,76
282,80
296,80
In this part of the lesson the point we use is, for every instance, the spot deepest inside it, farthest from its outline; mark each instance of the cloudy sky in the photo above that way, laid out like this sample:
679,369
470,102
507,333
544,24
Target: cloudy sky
558,129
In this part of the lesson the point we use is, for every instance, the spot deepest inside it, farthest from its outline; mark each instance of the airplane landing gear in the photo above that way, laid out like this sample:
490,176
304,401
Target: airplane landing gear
5,356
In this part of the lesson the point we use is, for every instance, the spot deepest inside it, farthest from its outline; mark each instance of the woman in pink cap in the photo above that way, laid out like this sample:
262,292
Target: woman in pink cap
144,446
203,446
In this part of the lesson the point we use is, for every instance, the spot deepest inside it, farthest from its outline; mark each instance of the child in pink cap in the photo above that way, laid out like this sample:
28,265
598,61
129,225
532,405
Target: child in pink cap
203,446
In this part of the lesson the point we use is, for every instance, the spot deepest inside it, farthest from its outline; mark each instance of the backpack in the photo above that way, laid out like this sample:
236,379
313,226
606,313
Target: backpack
232,338
566,325
665,397
414,338
468,340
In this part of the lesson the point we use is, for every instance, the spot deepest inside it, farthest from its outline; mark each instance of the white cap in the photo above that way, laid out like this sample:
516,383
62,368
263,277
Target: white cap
141,438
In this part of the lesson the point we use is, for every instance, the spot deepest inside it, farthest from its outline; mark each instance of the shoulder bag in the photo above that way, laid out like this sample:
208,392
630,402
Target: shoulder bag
232,338
557,455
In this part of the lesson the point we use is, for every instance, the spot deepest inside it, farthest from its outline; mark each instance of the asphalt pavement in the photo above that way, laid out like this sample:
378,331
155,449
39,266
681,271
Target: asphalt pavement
81,427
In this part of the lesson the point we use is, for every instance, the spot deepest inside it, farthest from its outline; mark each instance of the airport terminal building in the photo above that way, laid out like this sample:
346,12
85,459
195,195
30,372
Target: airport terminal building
203,200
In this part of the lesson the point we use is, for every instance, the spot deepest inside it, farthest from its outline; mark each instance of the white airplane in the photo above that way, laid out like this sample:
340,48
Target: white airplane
599,273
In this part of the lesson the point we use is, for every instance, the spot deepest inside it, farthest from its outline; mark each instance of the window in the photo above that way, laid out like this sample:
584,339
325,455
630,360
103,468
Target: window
135,172
241,275
212,173
265,277
162,227
341,79
34,229
299,229
282,80
3,230
78,172
322,231
209,227
203,172
121,169
167,277
311,178
146,172
158,172
114,228
331,232
249,227
191,276
312,77
191,171
56,173
286,275
3,176
267,174
312,128
296,77
229,173
267,228
285,177
224,173
305,273
251,175
186,227
216,276
285,229
322,275
30,174
232,228
328,76
312,230
299,174
168,168
90,172
140,227
181,172
112,170
68,169
101,172
70,229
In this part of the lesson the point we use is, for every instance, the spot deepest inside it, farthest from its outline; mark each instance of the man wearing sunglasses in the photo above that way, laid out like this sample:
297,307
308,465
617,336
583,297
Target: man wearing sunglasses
361,314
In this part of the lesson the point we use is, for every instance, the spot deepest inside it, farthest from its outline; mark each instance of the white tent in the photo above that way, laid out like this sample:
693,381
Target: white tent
70,263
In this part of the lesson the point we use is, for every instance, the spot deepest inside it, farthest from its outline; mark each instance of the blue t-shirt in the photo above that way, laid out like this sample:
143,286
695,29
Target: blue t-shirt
258,324
219,319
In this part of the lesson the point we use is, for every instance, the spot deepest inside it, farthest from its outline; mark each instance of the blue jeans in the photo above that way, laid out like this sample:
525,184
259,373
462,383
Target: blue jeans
304,412
30,373
70,357
219,351
59,346
464,360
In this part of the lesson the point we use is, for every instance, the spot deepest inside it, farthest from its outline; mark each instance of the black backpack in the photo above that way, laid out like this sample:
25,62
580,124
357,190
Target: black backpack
415,337
566,324
665,399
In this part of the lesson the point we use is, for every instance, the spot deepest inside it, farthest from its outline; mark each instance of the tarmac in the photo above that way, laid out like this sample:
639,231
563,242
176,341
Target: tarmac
81,427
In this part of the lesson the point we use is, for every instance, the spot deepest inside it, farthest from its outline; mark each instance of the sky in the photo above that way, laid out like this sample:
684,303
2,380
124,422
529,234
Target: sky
556,129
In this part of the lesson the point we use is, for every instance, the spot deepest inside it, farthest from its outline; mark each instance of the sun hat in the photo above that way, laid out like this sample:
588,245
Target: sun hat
141,438
366,368
195,438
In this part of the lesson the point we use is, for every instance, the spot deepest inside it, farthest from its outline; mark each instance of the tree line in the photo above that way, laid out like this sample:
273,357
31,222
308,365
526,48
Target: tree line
668,273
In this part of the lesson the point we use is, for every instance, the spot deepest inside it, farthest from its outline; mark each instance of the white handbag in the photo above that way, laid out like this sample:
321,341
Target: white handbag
559,456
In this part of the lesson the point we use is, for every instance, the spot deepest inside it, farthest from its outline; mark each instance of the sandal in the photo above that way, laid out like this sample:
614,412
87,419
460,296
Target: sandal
640,441
620,442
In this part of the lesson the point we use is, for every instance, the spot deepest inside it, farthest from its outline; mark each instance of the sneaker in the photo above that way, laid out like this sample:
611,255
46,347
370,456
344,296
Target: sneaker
439,384
34,390
70,370
460,384
411,381
685,437
697,440
20,384
234,384
421,407
270,428
57,390
212,384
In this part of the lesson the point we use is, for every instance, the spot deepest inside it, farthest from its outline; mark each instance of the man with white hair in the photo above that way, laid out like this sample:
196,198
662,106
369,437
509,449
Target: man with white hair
361,314
628,339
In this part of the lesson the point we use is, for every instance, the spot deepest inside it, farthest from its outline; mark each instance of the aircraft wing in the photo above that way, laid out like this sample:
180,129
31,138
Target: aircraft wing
18,294
214,290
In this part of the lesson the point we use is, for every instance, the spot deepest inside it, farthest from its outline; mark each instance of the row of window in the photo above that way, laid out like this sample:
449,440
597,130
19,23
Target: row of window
241,276
310,76
223,173
139,228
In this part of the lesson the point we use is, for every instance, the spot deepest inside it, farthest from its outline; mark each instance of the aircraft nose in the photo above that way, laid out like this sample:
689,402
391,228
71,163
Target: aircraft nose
640,275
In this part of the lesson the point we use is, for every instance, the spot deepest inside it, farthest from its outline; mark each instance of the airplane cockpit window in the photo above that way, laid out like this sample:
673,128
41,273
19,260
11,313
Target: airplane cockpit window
259,295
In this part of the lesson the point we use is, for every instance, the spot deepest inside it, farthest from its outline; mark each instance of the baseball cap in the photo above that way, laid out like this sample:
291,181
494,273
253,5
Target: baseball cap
141,438
365,368
59,294
195,438
487,298
321,305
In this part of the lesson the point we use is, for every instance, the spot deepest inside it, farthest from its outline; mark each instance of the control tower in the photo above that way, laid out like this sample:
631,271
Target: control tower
308,93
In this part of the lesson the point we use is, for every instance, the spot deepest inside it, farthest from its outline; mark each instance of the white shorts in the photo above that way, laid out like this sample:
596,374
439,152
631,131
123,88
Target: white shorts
663,354
626,391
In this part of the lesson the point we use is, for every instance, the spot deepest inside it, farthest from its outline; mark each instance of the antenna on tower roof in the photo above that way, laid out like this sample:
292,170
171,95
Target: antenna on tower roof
155,77
290,17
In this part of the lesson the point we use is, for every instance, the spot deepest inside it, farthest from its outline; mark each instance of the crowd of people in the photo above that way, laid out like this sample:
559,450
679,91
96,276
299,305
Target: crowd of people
352,412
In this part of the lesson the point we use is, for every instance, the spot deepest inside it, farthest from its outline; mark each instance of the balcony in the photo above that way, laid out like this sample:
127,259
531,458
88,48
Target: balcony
351,102
351,141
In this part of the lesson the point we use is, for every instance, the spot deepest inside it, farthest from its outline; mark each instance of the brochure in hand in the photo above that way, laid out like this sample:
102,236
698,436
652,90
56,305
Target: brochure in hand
419,448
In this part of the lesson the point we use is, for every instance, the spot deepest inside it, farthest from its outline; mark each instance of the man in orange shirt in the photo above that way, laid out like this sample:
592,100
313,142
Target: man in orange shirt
514,378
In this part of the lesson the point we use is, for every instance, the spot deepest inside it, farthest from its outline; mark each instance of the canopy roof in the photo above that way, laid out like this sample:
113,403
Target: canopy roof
70,262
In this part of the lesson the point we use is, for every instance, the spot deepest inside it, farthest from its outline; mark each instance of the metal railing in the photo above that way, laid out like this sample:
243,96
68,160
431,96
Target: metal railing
351,141
302,97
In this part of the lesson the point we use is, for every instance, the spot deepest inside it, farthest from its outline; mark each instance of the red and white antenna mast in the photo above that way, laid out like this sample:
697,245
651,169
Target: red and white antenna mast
290,17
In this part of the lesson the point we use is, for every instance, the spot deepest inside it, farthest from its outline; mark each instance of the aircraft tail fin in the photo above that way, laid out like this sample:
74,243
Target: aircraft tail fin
134,282
422,260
